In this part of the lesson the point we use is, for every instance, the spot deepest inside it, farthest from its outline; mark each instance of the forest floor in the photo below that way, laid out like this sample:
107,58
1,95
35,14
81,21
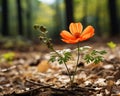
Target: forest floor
28,73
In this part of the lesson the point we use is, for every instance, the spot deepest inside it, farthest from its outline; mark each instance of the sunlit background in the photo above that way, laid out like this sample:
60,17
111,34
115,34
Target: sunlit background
17,17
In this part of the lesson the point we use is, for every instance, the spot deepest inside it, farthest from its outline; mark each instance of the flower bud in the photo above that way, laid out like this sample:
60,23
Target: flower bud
42,28
36,26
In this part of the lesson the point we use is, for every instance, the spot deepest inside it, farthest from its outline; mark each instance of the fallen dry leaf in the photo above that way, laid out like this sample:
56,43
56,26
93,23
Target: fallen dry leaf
93,65
43,66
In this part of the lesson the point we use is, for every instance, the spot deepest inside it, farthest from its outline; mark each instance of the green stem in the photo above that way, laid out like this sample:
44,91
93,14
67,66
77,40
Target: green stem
78,54
71,80
50,46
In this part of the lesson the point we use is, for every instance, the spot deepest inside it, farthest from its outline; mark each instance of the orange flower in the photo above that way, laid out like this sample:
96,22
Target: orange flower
77,34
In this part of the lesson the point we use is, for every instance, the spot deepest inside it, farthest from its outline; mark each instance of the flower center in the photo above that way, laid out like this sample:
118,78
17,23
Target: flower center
77,35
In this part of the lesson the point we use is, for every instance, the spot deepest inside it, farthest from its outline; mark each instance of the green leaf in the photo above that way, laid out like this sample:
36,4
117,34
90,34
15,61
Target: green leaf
88,58
52,59
67,56
95,56
94,52
61,61
98,59
102,52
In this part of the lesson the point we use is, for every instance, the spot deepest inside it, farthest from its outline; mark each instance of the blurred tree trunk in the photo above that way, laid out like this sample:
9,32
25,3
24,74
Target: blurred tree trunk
20,22
58,15
113,18
98,30
58,20
29,19
5,25
69,11
85,11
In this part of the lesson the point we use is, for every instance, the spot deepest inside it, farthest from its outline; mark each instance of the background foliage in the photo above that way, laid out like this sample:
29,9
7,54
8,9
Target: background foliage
53,16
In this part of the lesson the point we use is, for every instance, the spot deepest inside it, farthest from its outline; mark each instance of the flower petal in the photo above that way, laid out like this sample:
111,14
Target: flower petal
70,41
87,33
66,35
75,28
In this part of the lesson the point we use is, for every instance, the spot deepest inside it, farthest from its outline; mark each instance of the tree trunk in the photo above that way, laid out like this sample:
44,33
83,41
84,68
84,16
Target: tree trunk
5,25
69,11
85,11
20,23
113,18
98,9
29,17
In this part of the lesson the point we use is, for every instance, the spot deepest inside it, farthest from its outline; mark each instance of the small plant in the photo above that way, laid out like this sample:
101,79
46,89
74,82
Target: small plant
7,57
75,36
111,45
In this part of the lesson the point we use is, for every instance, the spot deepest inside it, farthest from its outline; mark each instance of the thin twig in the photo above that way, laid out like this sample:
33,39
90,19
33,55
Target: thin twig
8,69
38,84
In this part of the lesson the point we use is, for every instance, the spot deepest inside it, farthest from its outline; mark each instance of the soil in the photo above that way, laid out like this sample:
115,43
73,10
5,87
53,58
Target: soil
28,73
